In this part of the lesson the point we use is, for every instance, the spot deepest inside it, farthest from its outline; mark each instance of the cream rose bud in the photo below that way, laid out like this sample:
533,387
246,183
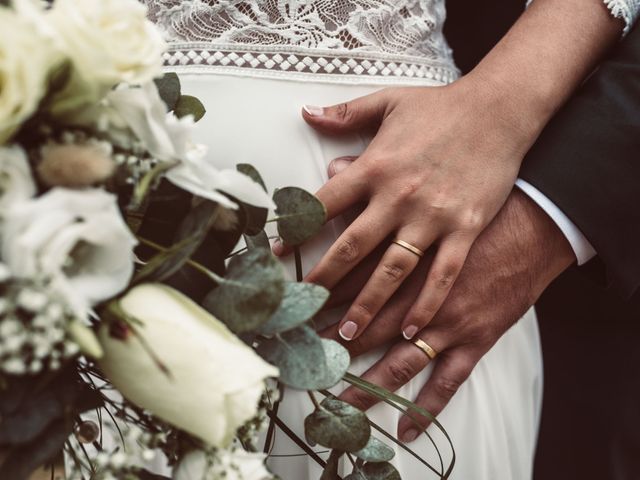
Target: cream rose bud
26,58
16,180
77,238
233,464
109,41
215,381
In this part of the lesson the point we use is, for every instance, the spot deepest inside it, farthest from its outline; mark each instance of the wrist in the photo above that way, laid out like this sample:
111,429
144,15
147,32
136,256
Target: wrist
546,250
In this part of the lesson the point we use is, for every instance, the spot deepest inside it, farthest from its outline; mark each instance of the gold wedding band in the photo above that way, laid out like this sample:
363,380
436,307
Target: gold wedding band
408,246
426,348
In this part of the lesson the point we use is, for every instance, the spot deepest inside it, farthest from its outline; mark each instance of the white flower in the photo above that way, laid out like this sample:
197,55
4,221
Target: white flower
26,59
235,464
197,175
215,381
168,138
142,111
109,41
16,181
78,238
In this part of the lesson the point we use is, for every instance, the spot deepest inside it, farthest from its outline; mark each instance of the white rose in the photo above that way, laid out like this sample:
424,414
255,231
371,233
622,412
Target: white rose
26,58
215,381
76,237
16,180
236,464
109,41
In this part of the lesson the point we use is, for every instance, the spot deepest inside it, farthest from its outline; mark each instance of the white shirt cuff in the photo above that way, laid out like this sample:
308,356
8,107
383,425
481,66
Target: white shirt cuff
583,250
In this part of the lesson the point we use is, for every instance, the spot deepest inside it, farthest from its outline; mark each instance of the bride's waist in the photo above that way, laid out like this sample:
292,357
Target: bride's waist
309,64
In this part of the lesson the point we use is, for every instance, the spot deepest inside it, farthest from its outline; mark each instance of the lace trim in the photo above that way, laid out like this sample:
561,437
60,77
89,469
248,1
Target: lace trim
310,64
627,10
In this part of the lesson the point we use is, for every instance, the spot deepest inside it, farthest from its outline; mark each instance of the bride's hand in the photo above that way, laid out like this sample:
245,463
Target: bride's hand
441,165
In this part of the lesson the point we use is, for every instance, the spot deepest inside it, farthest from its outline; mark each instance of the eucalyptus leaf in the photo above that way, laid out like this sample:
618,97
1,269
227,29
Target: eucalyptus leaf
299,354
188,105
338,425
166,263
375,451
380,471
257,241
354,476
251,292
169,89
199,220
330,472
337,361
251,172
256,217
300,215
300,303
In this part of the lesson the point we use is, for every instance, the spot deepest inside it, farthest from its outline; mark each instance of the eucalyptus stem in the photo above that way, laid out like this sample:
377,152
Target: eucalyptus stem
313,399
298,258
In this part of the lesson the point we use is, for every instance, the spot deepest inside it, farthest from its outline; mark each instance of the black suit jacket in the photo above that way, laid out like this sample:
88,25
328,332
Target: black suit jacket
587,161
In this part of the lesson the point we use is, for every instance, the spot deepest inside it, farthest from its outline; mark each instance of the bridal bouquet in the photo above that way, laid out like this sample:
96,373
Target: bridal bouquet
132,325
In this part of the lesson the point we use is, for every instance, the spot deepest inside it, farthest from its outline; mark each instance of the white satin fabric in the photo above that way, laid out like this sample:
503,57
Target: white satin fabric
493,419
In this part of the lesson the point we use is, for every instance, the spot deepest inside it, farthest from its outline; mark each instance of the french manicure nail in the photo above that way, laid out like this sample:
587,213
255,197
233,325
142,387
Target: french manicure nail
277,248
339,165
313,110
410,435
409,332
348,330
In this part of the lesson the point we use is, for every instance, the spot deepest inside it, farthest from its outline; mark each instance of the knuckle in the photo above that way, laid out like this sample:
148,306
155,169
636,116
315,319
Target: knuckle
360,399
345,112
446,387
401,371
394,271
471,221
347,250
446,277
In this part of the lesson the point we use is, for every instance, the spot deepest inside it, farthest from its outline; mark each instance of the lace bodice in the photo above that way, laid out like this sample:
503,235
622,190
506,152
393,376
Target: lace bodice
351,38
340,40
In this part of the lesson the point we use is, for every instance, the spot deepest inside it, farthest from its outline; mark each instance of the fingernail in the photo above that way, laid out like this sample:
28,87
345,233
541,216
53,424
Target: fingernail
313,110
409,332
338,165
348,330
277,247
410,435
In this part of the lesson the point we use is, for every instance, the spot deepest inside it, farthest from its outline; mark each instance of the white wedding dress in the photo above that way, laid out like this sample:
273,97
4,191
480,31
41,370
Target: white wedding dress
254,64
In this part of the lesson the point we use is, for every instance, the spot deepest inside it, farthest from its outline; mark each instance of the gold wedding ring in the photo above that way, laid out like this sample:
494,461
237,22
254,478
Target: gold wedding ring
426,348
408,246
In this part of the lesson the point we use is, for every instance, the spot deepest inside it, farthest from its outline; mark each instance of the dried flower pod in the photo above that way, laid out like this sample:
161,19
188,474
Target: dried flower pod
75,166
87,432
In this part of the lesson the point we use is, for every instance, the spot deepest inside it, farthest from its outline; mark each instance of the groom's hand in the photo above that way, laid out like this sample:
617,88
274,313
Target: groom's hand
509,266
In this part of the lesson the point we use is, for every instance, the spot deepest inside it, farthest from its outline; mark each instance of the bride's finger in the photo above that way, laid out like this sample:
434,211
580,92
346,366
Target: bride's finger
354,244
443,273
450,372
337,195
399,365
396,265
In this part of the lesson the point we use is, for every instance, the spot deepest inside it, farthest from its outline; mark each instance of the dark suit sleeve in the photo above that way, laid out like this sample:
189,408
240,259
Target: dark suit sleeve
587,161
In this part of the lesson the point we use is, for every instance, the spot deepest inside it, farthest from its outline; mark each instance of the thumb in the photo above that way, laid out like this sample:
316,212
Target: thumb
360,114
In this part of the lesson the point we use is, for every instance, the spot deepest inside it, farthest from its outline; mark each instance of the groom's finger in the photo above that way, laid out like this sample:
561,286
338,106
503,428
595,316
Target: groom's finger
399,365
451,370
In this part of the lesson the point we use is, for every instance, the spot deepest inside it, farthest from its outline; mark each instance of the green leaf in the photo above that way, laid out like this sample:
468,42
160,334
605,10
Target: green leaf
330,472
256,217
169,89
380,471
354,476
299,355
338,425
147,183
251,292
337,361
168,262
188,105
301,302
257,241
375,451
300,215
251,172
